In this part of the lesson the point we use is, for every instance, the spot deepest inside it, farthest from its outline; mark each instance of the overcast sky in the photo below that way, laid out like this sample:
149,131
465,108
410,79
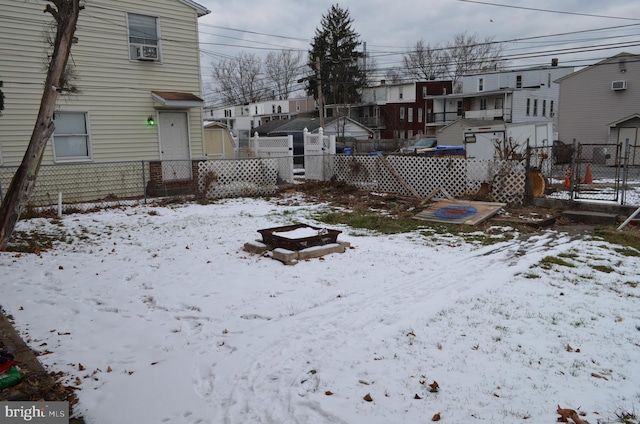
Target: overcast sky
391,27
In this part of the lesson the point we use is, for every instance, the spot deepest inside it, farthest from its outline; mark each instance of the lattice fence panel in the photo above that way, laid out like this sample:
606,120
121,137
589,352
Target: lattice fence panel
458,176
229,178
280,148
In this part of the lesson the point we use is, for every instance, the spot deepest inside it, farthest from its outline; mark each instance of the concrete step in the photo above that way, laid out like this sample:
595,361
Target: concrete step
591,217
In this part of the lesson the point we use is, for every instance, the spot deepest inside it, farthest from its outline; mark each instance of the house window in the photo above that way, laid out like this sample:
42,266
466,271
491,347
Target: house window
297,105
544,108
400,93
401,114
535,107
273,108
483,104
459,108
143,37
480,84
518,81
549,80
401,134
424,92
71,139
410,134
419,114
551,113
279,109
528,107
410,114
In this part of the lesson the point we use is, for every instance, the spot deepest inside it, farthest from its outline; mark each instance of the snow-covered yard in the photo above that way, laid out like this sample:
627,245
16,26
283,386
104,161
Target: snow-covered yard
157,315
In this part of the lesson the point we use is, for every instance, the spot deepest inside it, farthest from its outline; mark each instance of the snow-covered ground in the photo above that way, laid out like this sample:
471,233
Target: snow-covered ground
158,316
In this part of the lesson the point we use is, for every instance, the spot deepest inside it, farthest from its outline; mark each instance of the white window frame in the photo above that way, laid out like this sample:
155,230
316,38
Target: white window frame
480,84
79,158
518,81
149,41
402,114
535,107
528,107
410,114
544,107
419,114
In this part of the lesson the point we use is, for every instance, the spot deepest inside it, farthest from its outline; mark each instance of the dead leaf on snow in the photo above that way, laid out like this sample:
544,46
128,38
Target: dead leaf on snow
368,397
109,368
569,348
434,387
593,374
80,367
328,393
417,396
569,414
436,417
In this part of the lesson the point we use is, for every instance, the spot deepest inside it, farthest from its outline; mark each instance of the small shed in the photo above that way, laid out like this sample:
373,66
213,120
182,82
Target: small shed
218,141
622,131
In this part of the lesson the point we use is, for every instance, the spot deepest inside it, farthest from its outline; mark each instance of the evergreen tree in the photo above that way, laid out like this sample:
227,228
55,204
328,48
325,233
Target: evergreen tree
341,72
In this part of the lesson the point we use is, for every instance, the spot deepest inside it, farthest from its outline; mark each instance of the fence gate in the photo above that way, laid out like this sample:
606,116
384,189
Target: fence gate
597,172
280,148
318,153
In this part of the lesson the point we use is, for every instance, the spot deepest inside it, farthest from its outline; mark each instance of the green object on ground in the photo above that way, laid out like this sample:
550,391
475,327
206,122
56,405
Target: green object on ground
10,378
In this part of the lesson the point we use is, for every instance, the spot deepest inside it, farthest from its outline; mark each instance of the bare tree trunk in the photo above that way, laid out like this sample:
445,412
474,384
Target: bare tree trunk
24,180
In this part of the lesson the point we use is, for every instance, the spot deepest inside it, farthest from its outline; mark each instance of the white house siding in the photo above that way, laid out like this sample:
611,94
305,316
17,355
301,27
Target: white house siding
114,90
588,105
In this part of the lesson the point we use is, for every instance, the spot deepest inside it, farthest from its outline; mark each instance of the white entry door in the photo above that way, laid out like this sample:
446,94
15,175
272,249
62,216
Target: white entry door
174,146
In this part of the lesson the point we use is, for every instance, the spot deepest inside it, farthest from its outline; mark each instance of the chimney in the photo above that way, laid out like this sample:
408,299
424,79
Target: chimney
554,61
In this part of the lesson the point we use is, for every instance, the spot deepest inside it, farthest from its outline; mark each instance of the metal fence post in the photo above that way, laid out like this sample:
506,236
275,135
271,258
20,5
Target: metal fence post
625,171
144,185
572,179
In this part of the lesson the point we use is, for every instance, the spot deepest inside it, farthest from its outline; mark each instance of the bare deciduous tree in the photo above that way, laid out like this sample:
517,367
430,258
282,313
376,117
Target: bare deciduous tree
282,69
240,79
65,13
467,54
463,55
425,61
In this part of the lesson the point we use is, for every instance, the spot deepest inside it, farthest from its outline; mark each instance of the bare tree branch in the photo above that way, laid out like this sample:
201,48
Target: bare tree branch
239,79
282,70
425,61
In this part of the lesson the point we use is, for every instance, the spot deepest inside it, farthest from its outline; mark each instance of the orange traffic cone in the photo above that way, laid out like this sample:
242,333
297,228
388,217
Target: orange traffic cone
567,177
588,178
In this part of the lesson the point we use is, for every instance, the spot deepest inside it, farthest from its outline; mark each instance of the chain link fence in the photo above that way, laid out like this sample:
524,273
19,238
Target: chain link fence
76,187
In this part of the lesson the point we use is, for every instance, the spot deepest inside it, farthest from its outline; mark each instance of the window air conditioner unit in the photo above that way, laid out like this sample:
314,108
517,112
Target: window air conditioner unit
618,85
144,52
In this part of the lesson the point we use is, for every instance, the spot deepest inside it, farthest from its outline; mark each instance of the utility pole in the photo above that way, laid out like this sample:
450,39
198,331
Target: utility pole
320,100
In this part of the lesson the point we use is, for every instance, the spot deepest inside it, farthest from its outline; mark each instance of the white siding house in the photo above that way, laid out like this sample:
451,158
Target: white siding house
515,96
601,103
138,76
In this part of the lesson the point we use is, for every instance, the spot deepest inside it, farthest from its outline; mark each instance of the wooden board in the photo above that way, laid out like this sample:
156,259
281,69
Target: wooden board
459,211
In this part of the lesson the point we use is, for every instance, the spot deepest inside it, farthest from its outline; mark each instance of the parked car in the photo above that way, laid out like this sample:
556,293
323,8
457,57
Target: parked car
423,145
561,152
428,146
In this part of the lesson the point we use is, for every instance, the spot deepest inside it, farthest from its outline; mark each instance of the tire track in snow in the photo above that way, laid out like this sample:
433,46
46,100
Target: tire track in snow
288,363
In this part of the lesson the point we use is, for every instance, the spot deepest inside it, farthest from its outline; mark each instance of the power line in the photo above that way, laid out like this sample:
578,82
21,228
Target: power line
550,11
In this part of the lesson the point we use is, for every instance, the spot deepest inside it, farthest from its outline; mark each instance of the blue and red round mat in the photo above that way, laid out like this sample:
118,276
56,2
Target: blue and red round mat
456,212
